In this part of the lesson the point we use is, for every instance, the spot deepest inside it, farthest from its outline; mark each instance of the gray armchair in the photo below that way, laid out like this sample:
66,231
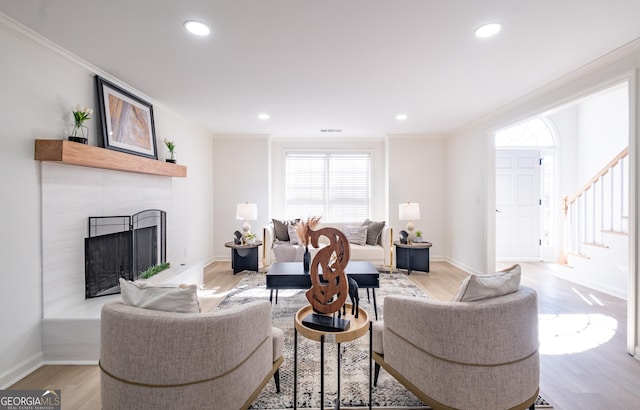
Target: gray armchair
164,360
462,355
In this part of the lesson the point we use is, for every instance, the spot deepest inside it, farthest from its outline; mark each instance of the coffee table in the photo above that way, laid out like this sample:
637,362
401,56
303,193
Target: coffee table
289,275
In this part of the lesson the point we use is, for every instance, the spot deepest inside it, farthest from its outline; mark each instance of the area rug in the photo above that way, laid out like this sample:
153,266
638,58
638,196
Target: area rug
354,370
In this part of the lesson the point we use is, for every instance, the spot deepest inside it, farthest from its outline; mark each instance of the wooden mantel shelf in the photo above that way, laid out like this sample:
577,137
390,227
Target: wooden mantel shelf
74,153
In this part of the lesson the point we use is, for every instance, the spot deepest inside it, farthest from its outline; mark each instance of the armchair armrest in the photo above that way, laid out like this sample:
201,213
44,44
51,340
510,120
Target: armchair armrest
268,236
386,238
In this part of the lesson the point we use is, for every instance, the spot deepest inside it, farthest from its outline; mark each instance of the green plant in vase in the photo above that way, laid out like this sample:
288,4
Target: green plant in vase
80,133
418,236
250,238
171,146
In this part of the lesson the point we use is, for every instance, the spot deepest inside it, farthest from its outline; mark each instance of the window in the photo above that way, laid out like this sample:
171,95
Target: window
533,133
335,186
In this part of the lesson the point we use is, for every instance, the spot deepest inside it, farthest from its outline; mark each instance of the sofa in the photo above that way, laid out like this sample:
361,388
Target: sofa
152,359
375,247
479,351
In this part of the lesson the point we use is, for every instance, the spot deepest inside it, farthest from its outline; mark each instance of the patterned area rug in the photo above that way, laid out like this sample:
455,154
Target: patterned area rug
354,369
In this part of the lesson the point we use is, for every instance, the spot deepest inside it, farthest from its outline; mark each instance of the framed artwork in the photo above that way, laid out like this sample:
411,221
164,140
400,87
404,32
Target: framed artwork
127,121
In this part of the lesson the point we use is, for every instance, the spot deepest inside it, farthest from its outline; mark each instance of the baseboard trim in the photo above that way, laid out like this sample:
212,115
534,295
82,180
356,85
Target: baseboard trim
462,266
70,363
21,370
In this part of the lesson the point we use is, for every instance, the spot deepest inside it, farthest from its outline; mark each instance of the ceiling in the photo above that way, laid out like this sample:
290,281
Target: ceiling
334,65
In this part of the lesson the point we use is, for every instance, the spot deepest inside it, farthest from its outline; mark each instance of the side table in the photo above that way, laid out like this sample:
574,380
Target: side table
358,327
244,257
412,256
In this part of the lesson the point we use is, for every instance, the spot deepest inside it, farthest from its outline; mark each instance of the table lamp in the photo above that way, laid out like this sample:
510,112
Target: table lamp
409,212
246,212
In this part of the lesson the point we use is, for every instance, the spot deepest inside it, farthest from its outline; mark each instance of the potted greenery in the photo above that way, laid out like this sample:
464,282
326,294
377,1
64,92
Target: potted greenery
250,238
418,236
80,133
171,146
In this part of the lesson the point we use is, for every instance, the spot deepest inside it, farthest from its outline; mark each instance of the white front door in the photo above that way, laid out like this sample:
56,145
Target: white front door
518,205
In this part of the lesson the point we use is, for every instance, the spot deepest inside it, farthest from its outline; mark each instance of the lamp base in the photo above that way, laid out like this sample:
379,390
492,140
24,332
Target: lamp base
411,237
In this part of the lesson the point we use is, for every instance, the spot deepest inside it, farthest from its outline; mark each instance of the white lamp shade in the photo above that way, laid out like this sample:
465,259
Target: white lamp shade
409,211
247,212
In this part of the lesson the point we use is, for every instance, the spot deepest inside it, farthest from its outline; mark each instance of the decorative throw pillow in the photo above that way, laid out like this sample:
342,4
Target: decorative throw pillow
355,234
294,239
478,287
164,297
281,230
374,232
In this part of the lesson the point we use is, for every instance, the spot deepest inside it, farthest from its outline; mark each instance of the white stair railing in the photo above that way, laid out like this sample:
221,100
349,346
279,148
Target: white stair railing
601,206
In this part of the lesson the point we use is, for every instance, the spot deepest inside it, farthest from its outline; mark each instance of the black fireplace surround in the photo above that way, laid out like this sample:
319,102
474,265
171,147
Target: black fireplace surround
122,247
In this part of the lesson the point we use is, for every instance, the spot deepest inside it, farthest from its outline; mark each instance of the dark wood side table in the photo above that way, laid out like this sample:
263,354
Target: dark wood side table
244,257
412,256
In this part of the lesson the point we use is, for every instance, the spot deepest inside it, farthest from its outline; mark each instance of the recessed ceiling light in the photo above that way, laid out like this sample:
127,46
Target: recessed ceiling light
488,30
263,116
401,117
196,27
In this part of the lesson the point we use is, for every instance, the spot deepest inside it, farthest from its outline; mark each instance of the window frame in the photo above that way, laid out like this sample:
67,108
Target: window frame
327,215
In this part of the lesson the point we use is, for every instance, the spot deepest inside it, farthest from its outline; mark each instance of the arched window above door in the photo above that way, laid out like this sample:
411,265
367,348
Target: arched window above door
532,133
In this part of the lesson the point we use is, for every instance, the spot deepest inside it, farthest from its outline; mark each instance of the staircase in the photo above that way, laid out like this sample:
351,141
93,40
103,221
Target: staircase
595,230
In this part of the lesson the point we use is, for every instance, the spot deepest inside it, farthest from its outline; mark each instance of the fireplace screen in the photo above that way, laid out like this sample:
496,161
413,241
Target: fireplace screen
122,247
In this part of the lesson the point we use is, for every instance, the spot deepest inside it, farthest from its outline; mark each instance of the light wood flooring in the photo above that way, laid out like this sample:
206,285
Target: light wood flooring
587,366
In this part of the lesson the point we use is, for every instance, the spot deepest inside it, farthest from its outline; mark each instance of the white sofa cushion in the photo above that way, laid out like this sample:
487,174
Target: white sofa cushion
164,297
478,287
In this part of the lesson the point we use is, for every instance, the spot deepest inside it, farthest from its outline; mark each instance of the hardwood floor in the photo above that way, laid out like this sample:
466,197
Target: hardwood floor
584,364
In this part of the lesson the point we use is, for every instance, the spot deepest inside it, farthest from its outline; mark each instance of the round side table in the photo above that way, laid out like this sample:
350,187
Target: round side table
412,256
358,327
244,257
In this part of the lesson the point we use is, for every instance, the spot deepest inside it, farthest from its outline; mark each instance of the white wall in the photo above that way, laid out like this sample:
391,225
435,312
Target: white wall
565,122
472,147
471,228
467,194
417,173
592,131
603,130
39,86
241,170
404,168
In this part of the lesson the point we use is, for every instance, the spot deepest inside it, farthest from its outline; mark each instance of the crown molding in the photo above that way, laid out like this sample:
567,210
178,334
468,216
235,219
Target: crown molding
25,34
333,139
592,68
416,136
241,136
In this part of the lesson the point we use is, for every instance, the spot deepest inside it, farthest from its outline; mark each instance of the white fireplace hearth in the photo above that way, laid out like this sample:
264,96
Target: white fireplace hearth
73,336
70,194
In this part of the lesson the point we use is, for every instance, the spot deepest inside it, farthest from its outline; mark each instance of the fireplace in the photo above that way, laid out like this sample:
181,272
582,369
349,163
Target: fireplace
122,247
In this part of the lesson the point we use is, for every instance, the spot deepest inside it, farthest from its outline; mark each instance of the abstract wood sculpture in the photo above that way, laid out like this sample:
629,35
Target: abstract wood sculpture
329,294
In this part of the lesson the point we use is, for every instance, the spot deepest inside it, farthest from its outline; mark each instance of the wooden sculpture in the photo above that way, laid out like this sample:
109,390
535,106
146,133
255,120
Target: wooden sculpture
329,293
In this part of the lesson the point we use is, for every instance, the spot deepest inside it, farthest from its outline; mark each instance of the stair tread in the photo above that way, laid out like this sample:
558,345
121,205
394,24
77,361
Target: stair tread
579,255
611,232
